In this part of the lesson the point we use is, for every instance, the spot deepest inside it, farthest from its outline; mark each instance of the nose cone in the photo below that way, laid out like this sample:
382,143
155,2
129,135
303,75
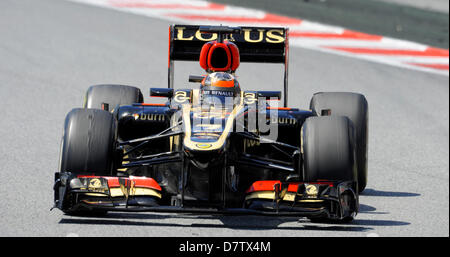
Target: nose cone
204,141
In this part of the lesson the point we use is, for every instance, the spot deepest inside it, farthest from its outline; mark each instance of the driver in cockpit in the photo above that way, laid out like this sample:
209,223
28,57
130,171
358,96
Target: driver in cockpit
219,89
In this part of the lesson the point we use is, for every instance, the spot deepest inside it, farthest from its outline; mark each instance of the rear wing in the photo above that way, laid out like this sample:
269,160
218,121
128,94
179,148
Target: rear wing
256,44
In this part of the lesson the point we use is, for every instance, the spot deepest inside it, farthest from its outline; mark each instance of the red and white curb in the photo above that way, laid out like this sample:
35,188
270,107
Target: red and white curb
303,33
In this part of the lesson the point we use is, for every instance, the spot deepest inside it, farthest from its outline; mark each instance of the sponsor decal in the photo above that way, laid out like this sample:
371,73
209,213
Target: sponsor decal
311,190
181,97
95,183
250,98
203,145
249,35
149,117
218,93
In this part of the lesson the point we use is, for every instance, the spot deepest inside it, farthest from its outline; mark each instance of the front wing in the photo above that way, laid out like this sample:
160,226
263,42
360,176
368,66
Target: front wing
324,199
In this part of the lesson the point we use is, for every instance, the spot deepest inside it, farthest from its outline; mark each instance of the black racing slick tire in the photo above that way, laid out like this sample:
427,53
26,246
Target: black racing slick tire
112,95
88,142
328,149
355,107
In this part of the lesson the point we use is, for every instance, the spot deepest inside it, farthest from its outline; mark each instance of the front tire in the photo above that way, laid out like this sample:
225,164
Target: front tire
86,149
328,148
88,142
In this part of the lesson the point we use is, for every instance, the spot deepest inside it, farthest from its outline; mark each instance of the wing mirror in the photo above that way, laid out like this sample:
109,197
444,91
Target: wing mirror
269,94
161,92
194,78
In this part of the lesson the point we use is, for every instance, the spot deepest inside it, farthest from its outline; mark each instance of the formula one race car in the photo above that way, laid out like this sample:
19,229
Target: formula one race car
215,149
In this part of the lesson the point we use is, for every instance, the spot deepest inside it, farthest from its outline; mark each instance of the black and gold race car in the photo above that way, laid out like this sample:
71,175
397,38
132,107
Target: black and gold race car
216,148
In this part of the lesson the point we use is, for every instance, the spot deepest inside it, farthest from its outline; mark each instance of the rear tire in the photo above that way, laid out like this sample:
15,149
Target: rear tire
113,95
355,107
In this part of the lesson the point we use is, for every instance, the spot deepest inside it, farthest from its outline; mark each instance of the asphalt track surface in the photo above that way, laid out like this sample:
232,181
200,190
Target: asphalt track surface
51,51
